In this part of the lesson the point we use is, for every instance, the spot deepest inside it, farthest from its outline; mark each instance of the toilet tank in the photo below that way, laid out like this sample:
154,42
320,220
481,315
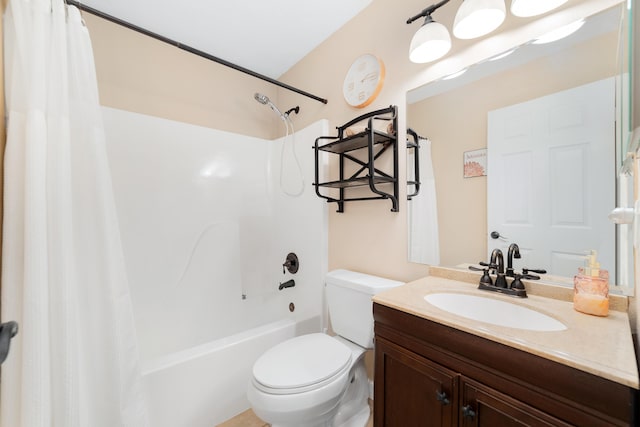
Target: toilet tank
350,307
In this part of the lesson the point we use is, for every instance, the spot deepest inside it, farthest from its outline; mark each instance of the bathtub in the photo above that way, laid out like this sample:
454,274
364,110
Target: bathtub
206,385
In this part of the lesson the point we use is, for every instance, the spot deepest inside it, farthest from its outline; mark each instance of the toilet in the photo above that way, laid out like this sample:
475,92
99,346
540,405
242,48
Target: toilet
318,380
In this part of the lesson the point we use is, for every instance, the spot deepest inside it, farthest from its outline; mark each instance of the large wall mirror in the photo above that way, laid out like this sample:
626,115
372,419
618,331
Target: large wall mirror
568,187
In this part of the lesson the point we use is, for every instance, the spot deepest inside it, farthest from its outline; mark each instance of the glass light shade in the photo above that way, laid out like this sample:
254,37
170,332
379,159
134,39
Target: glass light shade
475,18
527,8
560,33
432,41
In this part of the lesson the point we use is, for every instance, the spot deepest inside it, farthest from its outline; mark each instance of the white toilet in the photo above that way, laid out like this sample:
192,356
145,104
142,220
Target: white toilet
316,379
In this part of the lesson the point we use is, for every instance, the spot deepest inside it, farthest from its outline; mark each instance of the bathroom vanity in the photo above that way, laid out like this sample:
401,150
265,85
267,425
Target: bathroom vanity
436,368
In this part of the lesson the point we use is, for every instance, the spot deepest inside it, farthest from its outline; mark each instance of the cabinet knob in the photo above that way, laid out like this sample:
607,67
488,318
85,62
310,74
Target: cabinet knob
441,396
468,412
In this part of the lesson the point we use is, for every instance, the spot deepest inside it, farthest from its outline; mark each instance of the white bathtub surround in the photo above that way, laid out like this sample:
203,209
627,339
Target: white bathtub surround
204,223
74,362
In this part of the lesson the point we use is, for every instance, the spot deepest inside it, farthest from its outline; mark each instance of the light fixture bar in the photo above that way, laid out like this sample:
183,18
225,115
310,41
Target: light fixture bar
428,11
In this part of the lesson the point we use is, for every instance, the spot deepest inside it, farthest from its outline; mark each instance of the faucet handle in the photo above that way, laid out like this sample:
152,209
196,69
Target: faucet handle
526,273
517,283
485,279
492,266
534,270
291,263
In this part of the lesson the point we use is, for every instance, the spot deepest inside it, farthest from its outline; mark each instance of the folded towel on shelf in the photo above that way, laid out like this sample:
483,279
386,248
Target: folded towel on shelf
354,130
390,129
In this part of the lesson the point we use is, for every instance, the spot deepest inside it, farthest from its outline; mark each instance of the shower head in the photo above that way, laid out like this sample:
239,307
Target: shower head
264,100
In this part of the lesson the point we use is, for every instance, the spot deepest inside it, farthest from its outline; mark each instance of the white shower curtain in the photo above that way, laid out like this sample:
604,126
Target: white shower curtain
74,362
424,243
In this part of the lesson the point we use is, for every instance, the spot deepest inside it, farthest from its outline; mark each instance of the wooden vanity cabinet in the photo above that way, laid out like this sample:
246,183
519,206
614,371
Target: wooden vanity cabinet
424,393
428,374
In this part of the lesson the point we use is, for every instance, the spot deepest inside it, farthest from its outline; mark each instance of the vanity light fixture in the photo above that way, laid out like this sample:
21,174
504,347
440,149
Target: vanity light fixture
474,18
432,40
528,8
559,33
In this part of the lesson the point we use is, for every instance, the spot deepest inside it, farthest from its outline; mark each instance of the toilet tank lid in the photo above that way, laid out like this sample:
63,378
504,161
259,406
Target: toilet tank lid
365,283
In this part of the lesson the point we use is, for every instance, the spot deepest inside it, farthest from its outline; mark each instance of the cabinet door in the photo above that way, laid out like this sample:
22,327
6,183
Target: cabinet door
411,390
484,406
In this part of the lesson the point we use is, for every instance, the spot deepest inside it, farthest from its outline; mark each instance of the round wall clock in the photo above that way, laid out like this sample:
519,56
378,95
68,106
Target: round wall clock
363,81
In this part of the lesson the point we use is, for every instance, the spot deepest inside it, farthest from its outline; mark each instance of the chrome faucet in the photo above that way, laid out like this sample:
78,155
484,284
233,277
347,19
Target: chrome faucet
513,252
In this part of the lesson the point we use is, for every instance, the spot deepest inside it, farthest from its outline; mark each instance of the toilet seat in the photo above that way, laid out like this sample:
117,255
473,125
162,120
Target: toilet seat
301,364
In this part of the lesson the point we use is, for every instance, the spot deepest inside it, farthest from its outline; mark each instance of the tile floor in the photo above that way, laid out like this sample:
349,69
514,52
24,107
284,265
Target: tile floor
249,419
245,419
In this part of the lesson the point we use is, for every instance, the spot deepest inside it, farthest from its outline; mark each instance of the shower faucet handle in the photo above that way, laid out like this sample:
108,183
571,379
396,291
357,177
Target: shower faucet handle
291,263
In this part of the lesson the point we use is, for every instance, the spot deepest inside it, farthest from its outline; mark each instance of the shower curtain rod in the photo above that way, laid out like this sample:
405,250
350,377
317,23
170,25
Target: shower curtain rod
190,49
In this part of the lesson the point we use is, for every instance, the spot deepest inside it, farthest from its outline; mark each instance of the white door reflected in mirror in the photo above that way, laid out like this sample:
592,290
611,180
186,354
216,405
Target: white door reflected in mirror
551,170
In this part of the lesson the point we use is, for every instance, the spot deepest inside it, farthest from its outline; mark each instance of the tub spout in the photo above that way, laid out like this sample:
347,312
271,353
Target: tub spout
288,284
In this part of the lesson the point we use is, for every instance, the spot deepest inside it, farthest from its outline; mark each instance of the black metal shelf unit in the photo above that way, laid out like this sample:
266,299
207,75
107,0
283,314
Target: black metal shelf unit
373,143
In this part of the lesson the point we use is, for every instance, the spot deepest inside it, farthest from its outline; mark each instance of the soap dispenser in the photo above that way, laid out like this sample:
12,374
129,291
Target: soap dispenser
591,288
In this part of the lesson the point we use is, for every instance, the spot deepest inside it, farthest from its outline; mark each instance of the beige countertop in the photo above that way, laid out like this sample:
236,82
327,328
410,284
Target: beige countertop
599,345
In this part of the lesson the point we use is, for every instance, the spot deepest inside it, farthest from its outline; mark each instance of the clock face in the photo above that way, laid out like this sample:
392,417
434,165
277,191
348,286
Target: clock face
363,81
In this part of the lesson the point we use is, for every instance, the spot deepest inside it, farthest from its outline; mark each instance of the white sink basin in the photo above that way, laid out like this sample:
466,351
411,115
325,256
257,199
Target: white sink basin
494,311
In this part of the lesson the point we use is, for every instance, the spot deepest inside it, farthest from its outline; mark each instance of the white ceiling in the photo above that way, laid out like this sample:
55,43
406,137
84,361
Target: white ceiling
265,36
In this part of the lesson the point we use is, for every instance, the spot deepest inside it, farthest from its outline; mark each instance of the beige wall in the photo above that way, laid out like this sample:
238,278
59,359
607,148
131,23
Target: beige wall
138,73
456,121
141,74
367,237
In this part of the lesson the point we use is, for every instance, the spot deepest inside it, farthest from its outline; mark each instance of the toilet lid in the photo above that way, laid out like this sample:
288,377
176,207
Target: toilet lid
301,362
